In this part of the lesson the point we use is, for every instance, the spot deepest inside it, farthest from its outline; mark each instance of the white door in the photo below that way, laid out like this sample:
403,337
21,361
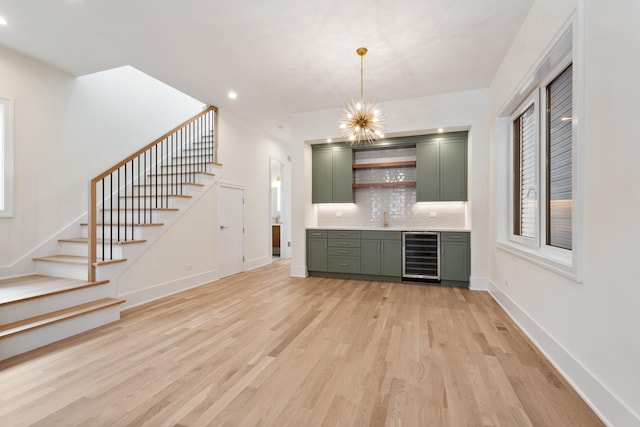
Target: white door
231,233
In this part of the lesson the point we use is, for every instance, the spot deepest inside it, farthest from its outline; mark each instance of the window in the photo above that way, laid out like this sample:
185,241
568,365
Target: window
524,174
559,160
6,157
538,148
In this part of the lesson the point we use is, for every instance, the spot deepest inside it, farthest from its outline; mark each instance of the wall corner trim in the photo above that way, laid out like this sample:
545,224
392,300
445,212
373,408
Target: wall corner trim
611,410
478,283
299,271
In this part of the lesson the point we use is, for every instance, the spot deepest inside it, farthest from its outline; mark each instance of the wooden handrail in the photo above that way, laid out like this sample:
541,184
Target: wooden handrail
156,141
92,223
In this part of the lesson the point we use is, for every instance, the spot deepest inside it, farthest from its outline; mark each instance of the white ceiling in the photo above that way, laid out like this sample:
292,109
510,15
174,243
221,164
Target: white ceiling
280,56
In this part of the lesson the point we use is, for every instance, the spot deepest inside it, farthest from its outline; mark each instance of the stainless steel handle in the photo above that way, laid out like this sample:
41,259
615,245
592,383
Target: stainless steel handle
316,234
343,264
343,234
454,237
382,247
343,243
343,252
222,227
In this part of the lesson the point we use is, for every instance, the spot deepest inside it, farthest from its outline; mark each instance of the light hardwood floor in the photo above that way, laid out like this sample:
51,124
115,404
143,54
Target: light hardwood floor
264,349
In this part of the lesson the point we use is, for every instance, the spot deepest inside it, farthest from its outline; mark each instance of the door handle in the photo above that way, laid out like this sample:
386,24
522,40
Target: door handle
222,227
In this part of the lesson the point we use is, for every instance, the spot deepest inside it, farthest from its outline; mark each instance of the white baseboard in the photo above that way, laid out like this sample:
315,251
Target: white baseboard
604,403
478,283
299,271
161,290
252,264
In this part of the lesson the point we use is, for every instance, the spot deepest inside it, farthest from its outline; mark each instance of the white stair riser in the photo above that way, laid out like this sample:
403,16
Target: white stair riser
130,216
36,306
39,337
82,249
152,190
195,178
186,169
60,269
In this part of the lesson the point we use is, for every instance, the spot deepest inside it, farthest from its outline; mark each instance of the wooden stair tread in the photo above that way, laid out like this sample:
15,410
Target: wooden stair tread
37,285
155,224
77,260
173,184
56,316
146,196
114,242
141,209
182,173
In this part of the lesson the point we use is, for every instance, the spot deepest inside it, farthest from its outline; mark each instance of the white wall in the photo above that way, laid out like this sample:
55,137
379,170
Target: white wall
246,154
414,115
589,329
67,130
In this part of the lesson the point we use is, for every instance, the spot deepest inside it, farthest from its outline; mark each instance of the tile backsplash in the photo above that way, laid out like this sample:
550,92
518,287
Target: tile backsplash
399,202
400,205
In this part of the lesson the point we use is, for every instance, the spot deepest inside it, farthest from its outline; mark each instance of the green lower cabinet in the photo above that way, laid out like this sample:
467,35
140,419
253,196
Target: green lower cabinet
317,250
454,258
381,257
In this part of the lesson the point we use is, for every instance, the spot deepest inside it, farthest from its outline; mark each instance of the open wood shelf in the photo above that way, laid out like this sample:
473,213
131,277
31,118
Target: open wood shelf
386,184
408,163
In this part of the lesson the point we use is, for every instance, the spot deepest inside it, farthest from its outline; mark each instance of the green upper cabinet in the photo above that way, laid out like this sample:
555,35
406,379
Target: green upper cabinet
441,162
332,174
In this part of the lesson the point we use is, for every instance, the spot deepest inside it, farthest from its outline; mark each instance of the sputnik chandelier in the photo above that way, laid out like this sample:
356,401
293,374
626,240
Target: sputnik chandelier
360,122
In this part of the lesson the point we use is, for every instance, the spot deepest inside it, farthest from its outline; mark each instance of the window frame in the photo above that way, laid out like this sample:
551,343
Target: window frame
565,49
531,100
6,157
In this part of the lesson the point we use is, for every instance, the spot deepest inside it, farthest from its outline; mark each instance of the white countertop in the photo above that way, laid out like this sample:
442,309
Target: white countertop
391,228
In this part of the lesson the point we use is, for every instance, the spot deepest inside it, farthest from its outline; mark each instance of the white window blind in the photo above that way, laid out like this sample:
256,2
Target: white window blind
559,160
525,165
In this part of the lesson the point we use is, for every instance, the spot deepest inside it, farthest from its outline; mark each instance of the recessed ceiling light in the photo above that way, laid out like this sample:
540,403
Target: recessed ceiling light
440,130
3,21
233,95
328,139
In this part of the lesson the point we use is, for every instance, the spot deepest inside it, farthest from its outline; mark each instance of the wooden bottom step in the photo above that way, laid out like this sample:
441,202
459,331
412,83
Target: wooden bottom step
37,286
36,322
76,260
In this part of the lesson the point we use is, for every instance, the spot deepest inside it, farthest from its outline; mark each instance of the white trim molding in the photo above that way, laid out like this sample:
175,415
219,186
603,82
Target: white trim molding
611,410
161,290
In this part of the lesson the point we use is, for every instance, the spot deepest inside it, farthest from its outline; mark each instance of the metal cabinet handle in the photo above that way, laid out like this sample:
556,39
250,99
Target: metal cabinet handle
343,243
342,264
316,234
343,234
343,252
454,237
382,247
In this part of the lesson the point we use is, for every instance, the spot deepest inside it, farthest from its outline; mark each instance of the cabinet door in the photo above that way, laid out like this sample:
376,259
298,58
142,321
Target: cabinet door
370,250
391,258
343,175
317,255
454,261
322,176
453,170
428,171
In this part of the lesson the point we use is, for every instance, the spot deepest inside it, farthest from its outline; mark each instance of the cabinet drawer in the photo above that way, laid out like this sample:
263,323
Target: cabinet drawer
317,234
454,236
381,235
343,234
344,264
344,243
346,251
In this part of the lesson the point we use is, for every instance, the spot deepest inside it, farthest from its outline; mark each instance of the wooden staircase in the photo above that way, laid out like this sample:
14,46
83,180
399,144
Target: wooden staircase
58,301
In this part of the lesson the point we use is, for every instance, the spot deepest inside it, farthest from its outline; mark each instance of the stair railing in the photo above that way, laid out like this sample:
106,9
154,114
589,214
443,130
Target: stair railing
129,192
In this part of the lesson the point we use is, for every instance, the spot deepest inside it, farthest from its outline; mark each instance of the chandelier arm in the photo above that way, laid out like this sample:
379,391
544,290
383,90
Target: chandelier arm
361,77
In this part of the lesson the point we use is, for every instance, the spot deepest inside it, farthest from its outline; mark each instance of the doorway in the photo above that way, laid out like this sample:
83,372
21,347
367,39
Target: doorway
231,232
278,212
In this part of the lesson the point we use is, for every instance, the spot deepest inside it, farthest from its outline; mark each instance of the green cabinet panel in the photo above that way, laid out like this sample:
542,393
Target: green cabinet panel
332,174
322,177
381,257
454,257
344,264
453,170
441,168
370,257
343,175
316,254
391,258
428,171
